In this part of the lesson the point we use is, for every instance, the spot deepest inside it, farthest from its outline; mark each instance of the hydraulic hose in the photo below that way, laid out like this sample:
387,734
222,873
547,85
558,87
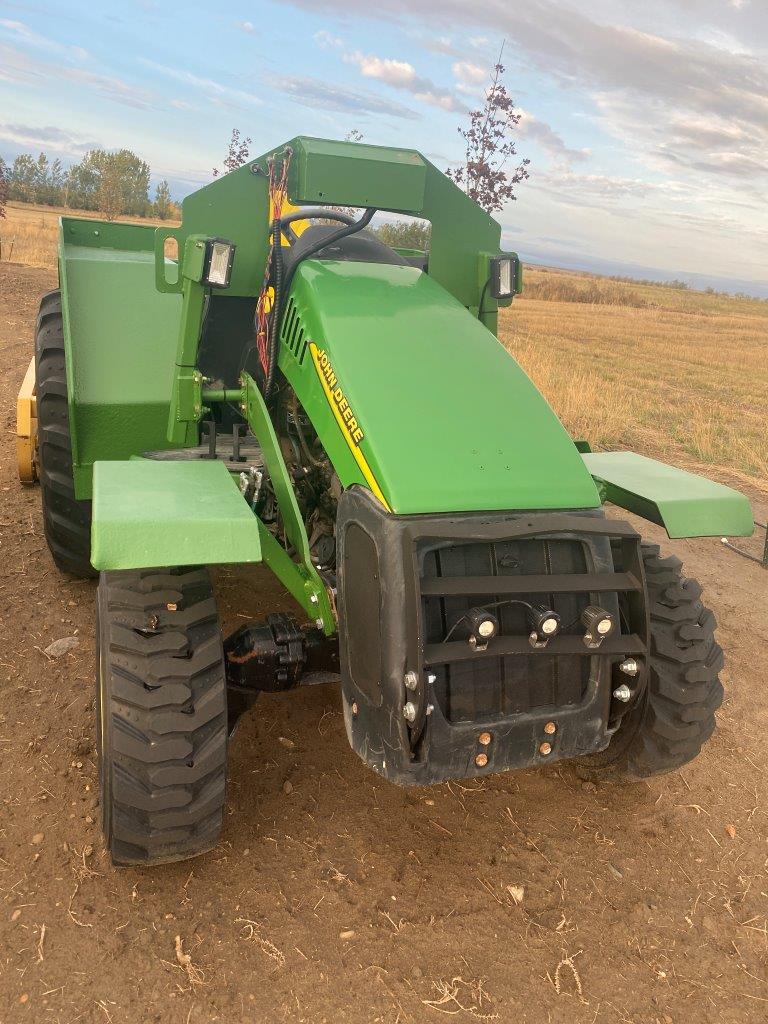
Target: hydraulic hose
277,280
283,287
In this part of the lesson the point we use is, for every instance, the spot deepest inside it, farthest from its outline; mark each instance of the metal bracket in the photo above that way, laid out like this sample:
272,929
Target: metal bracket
745,554
300,575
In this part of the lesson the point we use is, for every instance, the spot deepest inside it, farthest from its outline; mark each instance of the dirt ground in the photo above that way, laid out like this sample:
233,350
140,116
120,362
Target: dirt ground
334,896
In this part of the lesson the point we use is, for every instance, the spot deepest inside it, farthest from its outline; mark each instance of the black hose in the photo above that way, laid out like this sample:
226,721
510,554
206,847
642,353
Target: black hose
324,243
274,329
311,213
283,287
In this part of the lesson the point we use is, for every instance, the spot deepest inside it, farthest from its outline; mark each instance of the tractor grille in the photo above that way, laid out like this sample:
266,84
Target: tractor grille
472,689
293,334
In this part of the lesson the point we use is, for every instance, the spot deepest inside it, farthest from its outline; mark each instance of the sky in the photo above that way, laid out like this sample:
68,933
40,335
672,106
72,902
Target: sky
645,121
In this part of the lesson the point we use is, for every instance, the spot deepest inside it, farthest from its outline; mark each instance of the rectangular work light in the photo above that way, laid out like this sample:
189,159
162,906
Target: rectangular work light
503,282
219,256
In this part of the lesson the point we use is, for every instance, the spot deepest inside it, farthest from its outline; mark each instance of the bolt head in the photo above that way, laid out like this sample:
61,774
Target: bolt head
545,748
484,739
623,693
550,728
355,708
629,667
481,760
411,680
409,711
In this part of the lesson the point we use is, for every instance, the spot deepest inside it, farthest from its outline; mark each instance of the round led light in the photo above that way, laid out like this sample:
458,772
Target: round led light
486,628
549,626
604,626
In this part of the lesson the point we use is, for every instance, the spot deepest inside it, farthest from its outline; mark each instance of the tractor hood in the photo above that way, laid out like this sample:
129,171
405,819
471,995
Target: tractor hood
414,398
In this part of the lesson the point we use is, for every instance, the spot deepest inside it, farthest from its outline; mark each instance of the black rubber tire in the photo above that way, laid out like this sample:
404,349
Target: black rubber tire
669,727
161,709
66,520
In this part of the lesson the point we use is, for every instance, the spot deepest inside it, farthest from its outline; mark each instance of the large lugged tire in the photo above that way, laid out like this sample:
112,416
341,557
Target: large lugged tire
161,714
67,521
677,716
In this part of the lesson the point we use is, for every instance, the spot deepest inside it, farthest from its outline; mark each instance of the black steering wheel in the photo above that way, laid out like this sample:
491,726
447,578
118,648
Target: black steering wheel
310,213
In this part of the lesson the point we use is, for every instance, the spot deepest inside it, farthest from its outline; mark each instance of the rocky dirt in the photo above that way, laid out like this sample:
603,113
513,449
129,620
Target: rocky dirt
335,897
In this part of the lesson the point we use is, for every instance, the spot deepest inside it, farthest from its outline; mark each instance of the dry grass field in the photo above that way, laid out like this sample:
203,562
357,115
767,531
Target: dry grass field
673,373
29,234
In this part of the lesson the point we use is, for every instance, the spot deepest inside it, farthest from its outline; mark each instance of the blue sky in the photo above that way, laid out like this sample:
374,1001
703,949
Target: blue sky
646,121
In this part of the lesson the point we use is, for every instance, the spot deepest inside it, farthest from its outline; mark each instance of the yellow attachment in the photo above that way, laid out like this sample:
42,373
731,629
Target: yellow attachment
285,206
26,428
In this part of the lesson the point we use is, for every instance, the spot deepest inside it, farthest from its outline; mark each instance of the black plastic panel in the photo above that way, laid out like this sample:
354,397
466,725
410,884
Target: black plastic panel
509,690
362,635
516,683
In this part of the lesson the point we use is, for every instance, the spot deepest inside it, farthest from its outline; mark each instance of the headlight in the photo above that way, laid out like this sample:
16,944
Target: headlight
219,257
503,280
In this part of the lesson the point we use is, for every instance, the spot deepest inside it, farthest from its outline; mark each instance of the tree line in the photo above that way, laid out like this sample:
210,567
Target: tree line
114,184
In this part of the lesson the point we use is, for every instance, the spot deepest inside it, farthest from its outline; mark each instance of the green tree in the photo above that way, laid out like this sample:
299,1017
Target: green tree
23,179
38,180
163,205
406,234
111,198
109,182
3,187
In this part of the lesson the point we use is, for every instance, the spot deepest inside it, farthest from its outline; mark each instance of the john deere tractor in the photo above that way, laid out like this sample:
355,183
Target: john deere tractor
288,389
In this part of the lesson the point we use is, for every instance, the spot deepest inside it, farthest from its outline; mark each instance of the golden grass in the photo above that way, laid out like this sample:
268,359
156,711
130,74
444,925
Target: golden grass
683,384
29,234
675,374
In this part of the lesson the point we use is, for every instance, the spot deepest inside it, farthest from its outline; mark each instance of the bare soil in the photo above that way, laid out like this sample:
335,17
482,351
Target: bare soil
333,896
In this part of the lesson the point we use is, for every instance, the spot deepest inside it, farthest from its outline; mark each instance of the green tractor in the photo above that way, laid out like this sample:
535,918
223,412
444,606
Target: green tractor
290,390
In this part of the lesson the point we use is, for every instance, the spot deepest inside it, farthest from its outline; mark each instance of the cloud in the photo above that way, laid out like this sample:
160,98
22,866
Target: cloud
311,92
549,140
221,95
25,35
21,69
48,138
326,41
469,73
246,26
401,75
645,83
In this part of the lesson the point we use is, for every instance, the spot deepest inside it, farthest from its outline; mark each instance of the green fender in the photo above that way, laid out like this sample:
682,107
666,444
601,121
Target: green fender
685,504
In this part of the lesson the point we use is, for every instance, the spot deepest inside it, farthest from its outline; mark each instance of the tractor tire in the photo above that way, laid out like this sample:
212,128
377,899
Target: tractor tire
66,520
676,717
161,709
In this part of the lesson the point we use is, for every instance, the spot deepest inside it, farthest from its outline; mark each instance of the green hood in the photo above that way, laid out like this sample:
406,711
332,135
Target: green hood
443,418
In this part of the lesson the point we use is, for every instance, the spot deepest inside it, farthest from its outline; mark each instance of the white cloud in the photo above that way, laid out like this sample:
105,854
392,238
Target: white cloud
549,140
246,26
218,93
25,35
21,69
50,138
402,75
325,40
468,73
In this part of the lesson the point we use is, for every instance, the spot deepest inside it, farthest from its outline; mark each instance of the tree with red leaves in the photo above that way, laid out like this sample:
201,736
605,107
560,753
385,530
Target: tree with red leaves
238,152
488,148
